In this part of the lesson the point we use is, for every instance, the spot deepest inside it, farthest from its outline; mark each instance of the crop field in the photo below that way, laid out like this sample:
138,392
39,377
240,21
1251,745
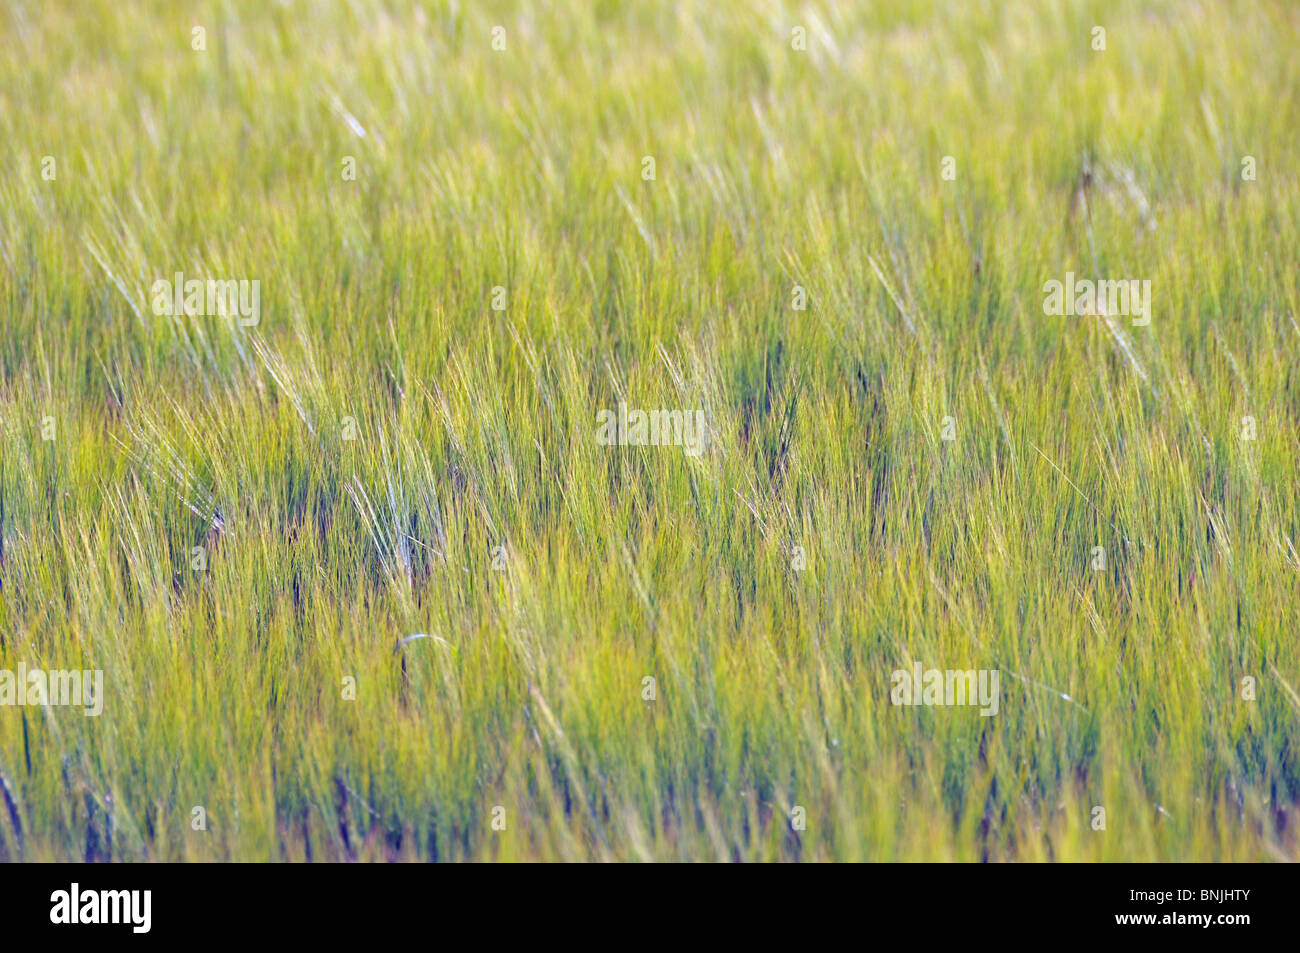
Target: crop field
697,431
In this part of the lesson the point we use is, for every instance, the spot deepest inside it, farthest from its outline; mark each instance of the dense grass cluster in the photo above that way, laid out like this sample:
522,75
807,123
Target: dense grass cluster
553,575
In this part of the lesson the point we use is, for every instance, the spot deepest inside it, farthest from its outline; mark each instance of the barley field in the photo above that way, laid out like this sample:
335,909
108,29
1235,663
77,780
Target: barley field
367,572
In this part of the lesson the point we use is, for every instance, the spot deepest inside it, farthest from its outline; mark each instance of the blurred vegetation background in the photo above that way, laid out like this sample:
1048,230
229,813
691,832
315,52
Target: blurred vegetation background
774,167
